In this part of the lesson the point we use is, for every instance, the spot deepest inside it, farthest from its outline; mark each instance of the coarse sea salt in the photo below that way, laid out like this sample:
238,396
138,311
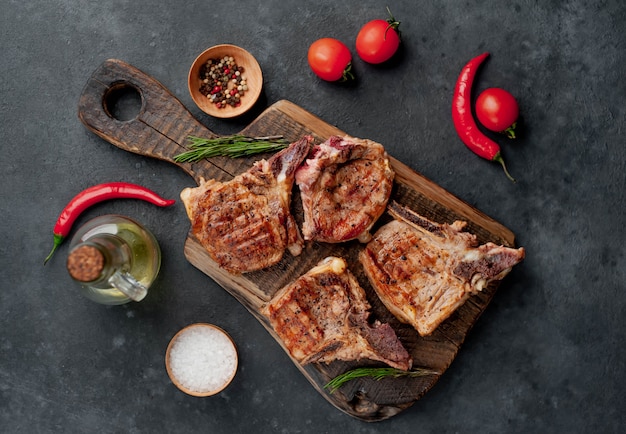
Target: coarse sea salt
202,359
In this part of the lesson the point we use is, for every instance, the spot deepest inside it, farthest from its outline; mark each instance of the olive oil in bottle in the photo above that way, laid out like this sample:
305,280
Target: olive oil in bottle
115,259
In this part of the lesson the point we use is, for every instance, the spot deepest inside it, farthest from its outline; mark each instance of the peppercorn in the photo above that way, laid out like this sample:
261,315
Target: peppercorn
223,82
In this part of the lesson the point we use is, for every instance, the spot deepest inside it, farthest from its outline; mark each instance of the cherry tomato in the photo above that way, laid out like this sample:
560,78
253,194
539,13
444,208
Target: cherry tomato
330,60
378,40
497,110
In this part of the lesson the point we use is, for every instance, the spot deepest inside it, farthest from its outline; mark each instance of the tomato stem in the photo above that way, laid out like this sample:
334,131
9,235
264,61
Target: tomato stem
498,158
347,74
393,24
510,131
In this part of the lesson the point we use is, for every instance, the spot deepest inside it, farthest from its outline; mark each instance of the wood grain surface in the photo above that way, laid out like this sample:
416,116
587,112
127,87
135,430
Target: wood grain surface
160,130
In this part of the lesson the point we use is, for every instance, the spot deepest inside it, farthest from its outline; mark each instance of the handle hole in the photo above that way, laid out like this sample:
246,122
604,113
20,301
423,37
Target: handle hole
122,102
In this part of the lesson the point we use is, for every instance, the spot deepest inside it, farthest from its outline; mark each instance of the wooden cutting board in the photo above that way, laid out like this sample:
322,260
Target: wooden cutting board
160,130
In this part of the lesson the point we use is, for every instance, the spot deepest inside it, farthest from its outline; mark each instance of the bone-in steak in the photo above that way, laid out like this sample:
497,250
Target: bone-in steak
245,224
423,271
345,184
323,316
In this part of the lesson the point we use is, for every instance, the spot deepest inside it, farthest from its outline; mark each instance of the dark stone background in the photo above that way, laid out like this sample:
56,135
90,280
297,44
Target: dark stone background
547,355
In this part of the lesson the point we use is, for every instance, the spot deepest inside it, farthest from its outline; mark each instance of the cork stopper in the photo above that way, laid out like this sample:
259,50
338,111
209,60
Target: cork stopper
85,263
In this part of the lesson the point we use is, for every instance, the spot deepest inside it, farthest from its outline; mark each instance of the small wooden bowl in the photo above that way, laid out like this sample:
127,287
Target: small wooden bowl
169,364
252,71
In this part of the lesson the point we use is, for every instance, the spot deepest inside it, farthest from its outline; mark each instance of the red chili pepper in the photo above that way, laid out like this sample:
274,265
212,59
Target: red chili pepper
96,194
463,118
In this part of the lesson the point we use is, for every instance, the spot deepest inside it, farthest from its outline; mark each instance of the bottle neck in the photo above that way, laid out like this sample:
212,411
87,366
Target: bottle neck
98,258
86,263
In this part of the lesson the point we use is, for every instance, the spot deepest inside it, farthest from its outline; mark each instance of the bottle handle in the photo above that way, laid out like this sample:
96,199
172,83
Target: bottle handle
128,285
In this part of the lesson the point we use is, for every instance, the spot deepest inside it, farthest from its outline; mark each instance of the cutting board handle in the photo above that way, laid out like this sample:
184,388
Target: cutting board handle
159,130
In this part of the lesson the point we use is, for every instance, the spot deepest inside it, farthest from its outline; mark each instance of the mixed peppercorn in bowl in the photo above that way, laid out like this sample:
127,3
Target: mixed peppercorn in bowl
225,81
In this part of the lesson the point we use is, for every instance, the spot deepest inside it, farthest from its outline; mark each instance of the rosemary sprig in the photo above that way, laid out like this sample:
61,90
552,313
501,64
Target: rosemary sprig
229,146
376,374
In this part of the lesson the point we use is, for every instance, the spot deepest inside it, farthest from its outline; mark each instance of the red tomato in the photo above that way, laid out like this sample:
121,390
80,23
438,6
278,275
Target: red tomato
378,40
497,110
330,60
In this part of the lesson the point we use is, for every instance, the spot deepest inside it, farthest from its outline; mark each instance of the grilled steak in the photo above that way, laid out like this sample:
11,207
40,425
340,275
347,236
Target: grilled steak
245,224
323,316
423,271
345,184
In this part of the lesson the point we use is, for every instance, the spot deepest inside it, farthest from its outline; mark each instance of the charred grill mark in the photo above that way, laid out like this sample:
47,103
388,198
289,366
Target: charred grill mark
344,190
350,229
423,271
243,223
330,310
